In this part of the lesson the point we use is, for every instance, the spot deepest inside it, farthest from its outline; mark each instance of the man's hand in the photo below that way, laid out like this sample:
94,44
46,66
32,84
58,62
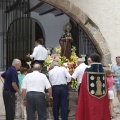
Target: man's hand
50,98
16,87
24,95
28,55
24,102
50,93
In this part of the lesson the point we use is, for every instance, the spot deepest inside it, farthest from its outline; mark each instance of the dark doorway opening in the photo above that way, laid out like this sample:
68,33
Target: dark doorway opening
21,36
38,31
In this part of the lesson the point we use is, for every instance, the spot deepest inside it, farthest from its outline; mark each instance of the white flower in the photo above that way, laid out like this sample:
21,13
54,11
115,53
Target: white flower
65,64
29,63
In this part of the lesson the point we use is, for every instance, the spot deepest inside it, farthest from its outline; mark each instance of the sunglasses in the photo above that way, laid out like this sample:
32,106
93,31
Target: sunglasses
118,57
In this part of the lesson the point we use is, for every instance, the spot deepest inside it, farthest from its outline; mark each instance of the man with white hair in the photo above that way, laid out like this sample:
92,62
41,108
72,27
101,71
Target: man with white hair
59,77
78,73
33,92
10,88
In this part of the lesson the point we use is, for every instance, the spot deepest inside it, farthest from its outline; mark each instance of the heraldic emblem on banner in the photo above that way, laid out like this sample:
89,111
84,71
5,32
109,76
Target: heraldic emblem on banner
96,83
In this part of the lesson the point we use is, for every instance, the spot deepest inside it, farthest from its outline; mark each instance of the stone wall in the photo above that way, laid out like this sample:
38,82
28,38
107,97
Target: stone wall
100,19
106,15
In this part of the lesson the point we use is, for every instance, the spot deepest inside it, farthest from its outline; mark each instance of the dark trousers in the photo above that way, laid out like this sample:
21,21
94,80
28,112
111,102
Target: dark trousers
60,100
79,89
36,102
9,102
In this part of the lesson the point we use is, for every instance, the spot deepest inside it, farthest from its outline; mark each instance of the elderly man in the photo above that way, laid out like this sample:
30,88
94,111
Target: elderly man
10,88
59,77
33,92
78,73
93,103
39,53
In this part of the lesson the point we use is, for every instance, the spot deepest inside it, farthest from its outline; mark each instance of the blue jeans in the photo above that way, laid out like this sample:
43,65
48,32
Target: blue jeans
60,100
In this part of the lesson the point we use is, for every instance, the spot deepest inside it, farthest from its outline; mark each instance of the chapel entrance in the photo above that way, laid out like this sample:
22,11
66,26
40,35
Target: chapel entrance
21,36
18,27
18,40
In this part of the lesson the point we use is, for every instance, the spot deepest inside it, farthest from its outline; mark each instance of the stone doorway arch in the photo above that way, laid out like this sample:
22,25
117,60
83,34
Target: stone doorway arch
86,24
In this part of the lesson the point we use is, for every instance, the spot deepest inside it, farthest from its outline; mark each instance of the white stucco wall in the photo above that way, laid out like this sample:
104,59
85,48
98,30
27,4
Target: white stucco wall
52,27
106,15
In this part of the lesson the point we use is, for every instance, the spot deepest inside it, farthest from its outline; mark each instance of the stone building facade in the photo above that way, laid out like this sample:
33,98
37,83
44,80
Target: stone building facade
100,19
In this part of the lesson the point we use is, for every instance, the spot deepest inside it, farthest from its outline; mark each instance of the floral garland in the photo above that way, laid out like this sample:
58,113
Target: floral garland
69,64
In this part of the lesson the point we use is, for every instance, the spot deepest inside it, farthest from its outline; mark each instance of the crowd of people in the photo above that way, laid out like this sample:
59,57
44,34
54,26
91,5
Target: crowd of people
95,88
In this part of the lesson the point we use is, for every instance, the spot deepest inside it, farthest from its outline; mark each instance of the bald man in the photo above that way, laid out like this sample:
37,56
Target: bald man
33,92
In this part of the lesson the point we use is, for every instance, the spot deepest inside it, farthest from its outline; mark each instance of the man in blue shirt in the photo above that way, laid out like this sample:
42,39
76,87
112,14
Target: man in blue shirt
10,88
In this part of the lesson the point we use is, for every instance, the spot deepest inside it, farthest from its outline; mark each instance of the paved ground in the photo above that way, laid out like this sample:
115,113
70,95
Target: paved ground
116,109
72,107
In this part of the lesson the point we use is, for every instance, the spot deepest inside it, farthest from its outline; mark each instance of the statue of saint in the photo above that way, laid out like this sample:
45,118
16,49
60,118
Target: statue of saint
65,41
99,86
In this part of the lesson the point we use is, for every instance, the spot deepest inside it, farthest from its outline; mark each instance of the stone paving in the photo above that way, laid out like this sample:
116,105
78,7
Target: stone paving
116,108
72,106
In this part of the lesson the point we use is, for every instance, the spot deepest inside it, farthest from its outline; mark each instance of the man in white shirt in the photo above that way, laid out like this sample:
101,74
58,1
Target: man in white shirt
78,73
59,77
33,91
39,53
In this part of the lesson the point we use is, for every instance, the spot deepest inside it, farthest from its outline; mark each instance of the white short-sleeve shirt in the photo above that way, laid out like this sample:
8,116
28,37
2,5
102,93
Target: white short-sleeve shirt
59,75
35,81
39,53
78,73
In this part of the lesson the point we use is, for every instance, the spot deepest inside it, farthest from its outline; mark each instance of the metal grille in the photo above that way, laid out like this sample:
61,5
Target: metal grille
81,40
16,30
16,35
86,47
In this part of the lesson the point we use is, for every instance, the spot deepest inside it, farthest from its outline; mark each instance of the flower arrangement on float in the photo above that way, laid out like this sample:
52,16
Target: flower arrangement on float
69,64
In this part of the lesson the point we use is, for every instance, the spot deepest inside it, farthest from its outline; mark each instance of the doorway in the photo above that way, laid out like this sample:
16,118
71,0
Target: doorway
21,36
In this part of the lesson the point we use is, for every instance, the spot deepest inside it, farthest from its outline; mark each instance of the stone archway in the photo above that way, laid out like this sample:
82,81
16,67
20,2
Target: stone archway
87,25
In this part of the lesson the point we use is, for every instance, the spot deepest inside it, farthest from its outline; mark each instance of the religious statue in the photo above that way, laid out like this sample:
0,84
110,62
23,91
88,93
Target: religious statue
65,41
98,86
